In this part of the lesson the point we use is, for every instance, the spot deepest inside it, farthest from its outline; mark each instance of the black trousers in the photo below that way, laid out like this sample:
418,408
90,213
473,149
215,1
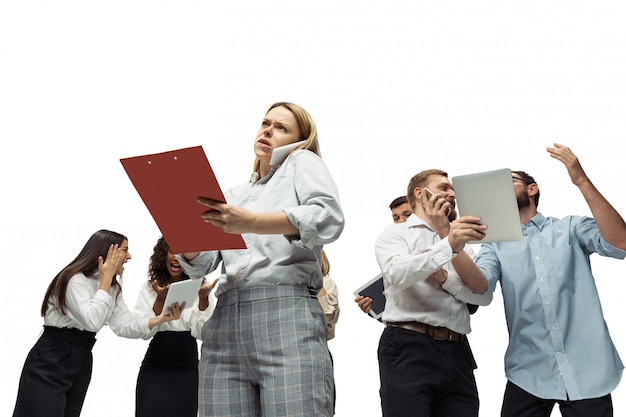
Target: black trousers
519,403
56,374
424,377
167,384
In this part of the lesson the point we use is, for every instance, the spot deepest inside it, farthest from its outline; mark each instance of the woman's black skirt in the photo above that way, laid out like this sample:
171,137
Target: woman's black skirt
167,384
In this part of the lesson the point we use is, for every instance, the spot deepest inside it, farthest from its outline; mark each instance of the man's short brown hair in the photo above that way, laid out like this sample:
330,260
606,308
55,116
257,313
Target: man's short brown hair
419,180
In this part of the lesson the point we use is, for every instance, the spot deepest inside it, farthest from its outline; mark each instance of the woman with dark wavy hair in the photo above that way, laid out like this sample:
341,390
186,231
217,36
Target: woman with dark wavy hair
169,370
80,300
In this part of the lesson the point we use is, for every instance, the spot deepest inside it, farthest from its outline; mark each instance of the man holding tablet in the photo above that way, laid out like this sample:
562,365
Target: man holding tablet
560,350
429,276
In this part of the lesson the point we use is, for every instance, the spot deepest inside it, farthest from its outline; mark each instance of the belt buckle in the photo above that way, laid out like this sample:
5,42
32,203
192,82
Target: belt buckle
437,337
448,338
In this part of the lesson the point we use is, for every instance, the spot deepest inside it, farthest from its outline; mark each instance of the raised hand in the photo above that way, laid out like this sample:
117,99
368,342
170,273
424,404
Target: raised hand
107,268
203,293
571,162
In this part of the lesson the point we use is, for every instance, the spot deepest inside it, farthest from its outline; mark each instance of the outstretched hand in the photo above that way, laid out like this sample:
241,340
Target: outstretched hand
173,313
574,169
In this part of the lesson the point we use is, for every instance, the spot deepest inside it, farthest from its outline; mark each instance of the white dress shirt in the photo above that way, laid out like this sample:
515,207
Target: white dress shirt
192,318
408,253
89,308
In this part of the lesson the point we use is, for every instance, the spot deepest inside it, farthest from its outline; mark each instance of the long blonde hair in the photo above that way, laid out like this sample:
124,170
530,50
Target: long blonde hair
325,264
308,131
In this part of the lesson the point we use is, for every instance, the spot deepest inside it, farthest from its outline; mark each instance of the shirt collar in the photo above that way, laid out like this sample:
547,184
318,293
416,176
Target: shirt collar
416,221
278,157
538,220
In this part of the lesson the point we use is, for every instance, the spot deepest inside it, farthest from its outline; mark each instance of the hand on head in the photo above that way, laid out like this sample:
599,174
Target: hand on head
437,209
107,268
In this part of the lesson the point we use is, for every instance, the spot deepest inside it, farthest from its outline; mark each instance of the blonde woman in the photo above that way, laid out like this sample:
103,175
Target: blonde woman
264,350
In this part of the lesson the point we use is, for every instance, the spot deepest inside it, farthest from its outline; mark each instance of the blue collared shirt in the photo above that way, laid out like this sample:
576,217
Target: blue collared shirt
559,344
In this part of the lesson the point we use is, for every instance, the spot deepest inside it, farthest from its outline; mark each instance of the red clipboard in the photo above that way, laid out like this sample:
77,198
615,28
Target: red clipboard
169,184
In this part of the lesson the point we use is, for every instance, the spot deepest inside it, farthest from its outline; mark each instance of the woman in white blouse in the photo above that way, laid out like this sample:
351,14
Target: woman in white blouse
80,300
169,370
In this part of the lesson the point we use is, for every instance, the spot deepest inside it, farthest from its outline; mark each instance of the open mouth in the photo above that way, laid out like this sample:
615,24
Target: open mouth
175,267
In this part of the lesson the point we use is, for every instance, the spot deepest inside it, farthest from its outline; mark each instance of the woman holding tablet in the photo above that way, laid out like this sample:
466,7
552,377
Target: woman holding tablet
80,300
264,350
169,370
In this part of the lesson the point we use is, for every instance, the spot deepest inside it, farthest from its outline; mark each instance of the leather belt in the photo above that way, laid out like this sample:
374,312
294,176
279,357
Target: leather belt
439,333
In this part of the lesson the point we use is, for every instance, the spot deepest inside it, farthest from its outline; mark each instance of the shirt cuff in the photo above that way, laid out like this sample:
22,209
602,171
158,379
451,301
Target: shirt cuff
453,284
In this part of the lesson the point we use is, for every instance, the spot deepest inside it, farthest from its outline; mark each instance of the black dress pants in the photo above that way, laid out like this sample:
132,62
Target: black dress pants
519,403
424,377
56,374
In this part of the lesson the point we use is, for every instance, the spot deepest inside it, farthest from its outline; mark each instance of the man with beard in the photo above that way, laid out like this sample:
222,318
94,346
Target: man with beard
428,274
560,350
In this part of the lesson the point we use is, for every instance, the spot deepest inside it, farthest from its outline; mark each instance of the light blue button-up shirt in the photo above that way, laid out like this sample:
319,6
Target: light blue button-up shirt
559,344
303,188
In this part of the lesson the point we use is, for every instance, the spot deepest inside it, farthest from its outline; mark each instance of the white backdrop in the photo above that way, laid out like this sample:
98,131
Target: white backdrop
394,87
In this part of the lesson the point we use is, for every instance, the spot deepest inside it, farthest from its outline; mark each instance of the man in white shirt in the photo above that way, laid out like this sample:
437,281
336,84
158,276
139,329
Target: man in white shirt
429,276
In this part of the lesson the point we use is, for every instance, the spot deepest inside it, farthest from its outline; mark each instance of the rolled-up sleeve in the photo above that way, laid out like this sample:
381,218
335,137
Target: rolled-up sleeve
319,217
201,265
457,288
489,264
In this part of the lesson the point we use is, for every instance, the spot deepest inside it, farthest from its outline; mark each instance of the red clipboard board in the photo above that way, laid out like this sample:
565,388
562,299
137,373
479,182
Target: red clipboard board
169,184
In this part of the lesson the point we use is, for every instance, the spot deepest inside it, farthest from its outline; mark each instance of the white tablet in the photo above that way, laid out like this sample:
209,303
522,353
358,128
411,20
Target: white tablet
374,288
491,196
182,291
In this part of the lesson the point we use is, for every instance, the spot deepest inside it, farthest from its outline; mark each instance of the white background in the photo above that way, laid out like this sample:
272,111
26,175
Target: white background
394,87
